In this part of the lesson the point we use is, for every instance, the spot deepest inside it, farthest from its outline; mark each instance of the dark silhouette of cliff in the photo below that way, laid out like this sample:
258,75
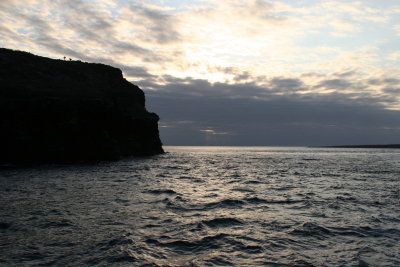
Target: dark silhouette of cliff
68,111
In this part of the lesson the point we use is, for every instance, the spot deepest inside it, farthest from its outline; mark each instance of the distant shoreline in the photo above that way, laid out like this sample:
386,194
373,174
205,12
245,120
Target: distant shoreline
365,146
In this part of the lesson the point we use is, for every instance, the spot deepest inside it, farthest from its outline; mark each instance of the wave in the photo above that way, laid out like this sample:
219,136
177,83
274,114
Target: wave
204,243
56,224
161,191
226,203
222,222
310,229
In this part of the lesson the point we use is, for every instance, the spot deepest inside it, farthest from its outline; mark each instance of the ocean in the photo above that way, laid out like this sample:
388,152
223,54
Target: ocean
206,206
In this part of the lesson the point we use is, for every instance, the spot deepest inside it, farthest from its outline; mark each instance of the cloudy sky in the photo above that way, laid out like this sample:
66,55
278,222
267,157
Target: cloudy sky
235,72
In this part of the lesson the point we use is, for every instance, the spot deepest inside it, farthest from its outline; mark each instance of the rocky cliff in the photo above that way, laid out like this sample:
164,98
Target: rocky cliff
68,111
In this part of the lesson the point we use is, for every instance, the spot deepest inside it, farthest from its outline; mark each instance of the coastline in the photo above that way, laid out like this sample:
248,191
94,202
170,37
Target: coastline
364,146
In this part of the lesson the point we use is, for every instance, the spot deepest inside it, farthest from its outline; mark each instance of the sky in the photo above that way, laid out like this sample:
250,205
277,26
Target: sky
235,72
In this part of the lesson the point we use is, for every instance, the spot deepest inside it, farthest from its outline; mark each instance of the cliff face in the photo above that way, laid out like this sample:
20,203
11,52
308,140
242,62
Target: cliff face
63,111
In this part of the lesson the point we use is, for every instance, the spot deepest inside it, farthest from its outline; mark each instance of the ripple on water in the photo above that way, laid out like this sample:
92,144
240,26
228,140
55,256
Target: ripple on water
204,243
226,203
199,207
311,229
161,191
222,222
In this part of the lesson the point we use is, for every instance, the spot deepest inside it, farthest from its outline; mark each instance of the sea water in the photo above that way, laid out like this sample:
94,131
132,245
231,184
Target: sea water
206,206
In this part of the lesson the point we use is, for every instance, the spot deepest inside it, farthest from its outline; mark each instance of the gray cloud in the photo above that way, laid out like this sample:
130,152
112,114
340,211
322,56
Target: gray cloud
287,84
391,81
129,48
392,90
98,27
160,25
335,84
89,25
44,35
136,72
248,114
242,77
7,34
189,87
274,122
345,74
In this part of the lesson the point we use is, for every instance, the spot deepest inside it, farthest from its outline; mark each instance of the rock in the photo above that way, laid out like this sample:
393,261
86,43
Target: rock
69,111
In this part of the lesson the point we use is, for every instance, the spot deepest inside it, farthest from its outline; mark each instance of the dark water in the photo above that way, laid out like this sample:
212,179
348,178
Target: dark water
207,206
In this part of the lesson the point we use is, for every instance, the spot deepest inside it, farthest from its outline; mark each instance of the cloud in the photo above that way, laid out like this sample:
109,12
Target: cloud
220,72
392,90
252,35
251,114
348,84
335,84
314,120
397,29
343,25
395,56
286,84
154,25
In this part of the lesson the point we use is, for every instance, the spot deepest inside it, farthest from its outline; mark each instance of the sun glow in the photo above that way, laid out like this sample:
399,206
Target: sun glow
230,42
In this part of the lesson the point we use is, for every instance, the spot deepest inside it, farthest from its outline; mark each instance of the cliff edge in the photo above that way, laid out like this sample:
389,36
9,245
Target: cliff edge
68,111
